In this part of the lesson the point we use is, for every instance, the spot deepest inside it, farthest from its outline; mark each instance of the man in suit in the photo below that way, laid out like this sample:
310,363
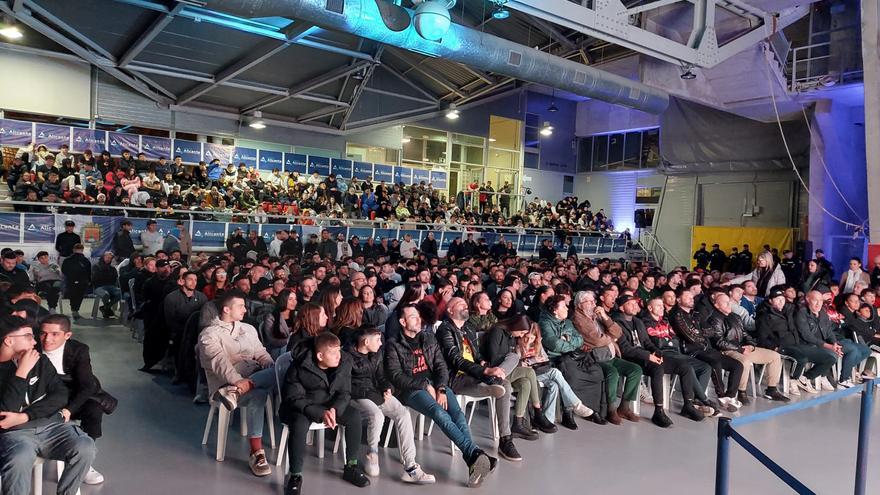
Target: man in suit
74,366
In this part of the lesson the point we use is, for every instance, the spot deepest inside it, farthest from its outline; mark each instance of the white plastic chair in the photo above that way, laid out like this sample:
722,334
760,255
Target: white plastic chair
224,417
466,400
282,364
37,483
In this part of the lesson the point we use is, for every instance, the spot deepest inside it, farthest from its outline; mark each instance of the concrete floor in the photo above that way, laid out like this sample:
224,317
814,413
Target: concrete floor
151,445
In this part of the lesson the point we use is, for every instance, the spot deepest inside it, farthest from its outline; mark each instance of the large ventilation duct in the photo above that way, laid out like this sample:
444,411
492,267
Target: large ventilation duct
384,22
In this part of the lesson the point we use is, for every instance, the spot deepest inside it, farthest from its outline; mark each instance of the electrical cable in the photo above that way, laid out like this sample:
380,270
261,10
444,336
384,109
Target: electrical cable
791,158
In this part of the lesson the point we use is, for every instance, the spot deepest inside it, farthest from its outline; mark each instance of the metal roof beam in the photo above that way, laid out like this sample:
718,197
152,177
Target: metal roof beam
359,90
257,55
554,34
429,73
63,26
159,24
305,87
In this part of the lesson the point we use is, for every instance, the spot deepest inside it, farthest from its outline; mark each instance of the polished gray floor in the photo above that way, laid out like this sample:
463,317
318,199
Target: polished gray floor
152,445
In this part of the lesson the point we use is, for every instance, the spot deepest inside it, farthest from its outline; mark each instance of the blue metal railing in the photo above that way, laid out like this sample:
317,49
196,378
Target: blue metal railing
727,432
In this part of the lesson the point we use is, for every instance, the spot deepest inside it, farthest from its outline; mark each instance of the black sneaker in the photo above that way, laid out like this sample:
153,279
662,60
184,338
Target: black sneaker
743,397
568,420
691,412
355,475
597,418
507,450
478,469
544,424
294,485
493,462
773,393
660,418
520,430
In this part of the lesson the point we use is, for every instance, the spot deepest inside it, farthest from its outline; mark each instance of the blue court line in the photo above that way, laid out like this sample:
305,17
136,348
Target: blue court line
797,406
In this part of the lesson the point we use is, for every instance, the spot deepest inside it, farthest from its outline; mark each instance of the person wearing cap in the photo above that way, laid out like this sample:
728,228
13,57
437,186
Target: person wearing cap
702,257
151,239
32,397
717,258
122,245
65,241
77,271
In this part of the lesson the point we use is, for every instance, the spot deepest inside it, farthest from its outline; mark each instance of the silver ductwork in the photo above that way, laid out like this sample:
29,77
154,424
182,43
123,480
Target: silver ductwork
384,22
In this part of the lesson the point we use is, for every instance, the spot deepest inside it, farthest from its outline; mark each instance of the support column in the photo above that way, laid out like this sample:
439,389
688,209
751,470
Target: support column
871,64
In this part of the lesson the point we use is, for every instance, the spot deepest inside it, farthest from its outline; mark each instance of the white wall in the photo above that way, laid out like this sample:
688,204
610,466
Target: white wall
598,117
43,85
545,185
616,192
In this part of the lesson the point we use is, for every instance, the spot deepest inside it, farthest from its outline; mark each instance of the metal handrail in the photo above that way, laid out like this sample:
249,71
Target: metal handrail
656,243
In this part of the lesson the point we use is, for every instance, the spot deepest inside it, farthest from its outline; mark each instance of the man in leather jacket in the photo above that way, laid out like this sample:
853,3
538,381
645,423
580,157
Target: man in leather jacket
686,323
725,331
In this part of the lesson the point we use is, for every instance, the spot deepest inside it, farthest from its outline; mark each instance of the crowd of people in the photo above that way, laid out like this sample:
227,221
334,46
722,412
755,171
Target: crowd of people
359,336
65,182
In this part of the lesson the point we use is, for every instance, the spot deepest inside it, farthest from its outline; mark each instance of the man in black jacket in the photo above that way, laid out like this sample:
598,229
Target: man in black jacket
66,241
717,258
236,244
415,366
372,395
429,246
547,251
686,323
31,424
636,346
74,366
77,273
327,248
702,257
105,280
469,374
317,389
156,335
122,245
292,246
11,273
725,331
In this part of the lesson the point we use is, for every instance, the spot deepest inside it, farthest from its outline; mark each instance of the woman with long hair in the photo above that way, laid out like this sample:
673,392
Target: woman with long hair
481,313
310,321
766,275
813,276
349,317
504,305
533,355
375,313
219,284
331,298
277,324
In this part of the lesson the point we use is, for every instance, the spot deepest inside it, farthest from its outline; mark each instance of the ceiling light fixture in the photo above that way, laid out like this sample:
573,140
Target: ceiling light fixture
553,108
405,140
499,12
687,73
359,75
547,130
492,140
11,33
256,121
452,113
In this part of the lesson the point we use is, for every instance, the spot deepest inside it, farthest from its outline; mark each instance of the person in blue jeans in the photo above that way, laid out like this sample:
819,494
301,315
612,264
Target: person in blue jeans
417,371
32,397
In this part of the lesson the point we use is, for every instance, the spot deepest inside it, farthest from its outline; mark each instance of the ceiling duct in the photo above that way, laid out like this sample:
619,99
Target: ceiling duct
366,18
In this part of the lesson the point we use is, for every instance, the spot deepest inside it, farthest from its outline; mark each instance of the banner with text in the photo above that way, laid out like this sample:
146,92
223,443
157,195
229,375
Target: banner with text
89,139
120,141
156,147
16,133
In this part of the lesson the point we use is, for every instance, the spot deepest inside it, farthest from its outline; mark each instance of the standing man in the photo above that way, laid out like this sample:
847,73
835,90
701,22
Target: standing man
31,399
327,247
177,308
717,259
122,244
77,273
702,257
408,247
66,240
74,366
151,239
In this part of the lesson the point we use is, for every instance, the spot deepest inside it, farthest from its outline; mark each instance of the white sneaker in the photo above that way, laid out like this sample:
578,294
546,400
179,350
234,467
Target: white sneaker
730,402
806,385
417,476
825,385
845,384
645,396
93,477
583,411
371,467
793,388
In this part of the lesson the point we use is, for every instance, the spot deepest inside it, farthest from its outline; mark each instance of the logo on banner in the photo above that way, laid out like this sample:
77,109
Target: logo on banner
91,233
178,150
234,157
198,233
42,134
147,146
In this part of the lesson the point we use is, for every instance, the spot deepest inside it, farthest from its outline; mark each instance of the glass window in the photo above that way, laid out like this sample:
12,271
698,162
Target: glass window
600,152
533,137
632,149
651,148
467,149
372,154
505,133
615,151
585,154
531,160
567,184
424,146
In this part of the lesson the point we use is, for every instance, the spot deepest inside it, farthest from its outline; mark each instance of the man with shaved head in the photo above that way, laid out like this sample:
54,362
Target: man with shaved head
469,375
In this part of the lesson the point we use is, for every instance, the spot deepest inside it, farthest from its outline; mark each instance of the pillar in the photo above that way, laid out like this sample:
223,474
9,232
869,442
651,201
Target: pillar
871,64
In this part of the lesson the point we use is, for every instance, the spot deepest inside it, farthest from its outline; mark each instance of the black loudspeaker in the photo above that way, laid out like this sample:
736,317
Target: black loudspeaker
803,250
639,218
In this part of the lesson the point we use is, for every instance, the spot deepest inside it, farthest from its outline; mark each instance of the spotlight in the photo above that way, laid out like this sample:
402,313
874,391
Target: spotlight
686,73
452,113
432,19
256,122
11,32
359,75
547,130
500,13
553,107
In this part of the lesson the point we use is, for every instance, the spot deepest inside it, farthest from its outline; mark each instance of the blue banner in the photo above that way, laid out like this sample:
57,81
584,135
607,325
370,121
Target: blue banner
362,233
221,151
403,174
385,234
16,133
363,170
10,228
416,235
88,139
447,239
157,147
53,136
295,162
420,175
248,156
320,164
438,179
341,167
120,142
270,160
209,234
383,173
527,243
39,228
189,151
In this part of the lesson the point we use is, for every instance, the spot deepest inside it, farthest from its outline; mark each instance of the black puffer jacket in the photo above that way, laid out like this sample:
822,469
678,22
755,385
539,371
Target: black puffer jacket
727,333
307,390
775,329
635,343
687,326
104,274
402,357
450,338
368,379
499,343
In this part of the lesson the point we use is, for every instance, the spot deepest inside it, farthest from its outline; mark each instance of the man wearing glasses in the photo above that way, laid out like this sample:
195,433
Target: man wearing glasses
32,397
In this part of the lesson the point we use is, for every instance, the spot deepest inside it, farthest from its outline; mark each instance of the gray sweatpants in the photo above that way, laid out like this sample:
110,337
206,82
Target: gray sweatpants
374,417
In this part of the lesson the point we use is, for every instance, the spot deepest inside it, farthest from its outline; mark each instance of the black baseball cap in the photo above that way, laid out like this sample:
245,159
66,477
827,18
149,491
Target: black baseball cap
70,223
161,263
625,299
777,291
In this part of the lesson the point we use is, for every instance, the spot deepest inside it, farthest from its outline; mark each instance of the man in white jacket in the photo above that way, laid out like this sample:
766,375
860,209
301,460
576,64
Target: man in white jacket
408,247
151,239
343,248
239,370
